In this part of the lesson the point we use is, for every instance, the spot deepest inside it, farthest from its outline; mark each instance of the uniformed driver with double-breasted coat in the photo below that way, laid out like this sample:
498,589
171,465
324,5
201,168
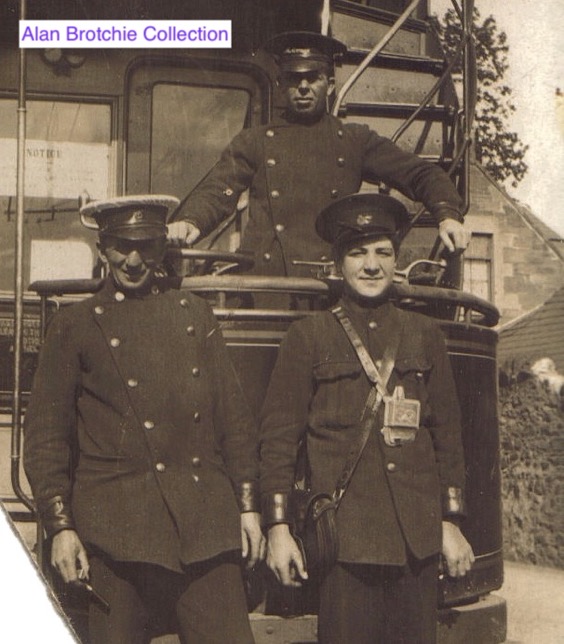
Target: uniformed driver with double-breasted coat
405,498
140,448
303,160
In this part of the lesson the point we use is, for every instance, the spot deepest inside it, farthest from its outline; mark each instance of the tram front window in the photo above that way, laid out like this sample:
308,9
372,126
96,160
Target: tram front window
190,127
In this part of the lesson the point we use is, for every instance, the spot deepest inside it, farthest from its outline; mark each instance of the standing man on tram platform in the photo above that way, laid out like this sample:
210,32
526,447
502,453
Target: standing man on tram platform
405,499
140,448
300,162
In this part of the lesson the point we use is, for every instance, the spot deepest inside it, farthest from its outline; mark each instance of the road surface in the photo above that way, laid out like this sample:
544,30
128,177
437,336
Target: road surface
535,604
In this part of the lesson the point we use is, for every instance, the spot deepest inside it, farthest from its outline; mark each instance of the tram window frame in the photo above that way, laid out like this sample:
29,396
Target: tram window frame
198,72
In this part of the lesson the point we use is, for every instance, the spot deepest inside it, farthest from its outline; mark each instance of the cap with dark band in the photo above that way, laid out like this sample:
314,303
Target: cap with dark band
304,51
130,217
359,216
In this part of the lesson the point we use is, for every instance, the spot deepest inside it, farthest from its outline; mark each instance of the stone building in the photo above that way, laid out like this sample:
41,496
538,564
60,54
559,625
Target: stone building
514,260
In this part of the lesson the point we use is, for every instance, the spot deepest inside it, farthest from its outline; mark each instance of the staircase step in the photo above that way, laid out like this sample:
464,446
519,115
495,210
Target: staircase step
390,60
397,110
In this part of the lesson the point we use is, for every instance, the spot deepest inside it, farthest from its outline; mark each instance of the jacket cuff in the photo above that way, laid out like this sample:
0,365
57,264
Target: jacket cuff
275,508
56,515
444,210
453,502
247,496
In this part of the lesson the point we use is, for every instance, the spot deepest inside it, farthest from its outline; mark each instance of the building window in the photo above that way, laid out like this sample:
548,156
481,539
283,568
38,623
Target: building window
478,266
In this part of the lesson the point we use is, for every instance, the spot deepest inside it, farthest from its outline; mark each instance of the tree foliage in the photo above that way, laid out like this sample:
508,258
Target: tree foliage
496,147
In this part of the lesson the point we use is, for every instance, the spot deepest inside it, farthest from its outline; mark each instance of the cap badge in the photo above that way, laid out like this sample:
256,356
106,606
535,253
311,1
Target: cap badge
298,51
138,215
364,220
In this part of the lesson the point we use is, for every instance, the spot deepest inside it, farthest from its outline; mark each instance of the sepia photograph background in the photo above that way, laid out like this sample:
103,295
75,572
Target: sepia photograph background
535,75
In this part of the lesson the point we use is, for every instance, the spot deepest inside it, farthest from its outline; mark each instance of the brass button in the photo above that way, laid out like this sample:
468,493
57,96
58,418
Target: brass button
195,477
373,325
275,194
267,257
196,462
197,417
155,289
184,302
334,193
132,383
190,330
271,163
120,297
195,372
419,375
279,228
228,192
269,133
391,467
340,133
115,342
98,310
341,162
149,424
160,467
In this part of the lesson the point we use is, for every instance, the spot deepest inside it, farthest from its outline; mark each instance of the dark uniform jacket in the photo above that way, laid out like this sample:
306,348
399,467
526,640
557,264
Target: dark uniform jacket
140,394
398,495
293,171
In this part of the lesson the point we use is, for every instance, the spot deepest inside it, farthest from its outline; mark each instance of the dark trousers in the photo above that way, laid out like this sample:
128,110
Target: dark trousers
368,604
206,605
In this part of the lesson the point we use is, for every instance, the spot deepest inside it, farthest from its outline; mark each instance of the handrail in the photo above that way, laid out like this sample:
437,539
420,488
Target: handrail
426,99
372,54
469,93
238,284
404,292
16,437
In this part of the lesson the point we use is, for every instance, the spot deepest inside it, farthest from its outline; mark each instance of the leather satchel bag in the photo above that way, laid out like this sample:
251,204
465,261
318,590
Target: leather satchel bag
315,529
315,514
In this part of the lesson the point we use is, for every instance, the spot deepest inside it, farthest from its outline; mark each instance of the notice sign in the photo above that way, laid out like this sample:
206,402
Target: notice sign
57,169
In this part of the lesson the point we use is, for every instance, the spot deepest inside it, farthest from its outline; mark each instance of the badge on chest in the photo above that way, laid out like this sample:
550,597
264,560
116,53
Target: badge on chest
401,418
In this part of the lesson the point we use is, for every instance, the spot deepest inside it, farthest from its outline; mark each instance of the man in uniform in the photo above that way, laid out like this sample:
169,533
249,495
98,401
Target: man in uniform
140,448
405,498
303,160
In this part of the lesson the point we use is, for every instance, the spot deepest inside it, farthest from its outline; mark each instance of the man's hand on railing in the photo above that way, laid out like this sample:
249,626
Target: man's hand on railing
182,233
453,235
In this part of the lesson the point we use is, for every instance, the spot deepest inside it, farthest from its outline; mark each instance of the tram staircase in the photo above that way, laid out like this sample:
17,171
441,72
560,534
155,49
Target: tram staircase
397,81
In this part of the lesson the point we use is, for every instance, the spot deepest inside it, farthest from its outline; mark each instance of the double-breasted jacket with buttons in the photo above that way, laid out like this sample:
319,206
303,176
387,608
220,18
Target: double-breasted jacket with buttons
137,433
397,496
293,171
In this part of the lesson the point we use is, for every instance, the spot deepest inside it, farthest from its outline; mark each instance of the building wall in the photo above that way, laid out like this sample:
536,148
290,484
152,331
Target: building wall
526,271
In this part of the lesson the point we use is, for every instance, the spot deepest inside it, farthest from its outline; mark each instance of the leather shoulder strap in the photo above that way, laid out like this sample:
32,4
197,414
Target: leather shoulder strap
374,400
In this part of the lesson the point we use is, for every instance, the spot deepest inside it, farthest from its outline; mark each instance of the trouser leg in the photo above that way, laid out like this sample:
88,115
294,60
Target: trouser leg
346,614
213,608
369,604
127,621
205,605
410,603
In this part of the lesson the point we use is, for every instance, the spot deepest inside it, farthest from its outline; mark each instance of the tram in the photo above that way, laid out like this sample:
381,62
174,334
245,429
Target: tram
129,121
